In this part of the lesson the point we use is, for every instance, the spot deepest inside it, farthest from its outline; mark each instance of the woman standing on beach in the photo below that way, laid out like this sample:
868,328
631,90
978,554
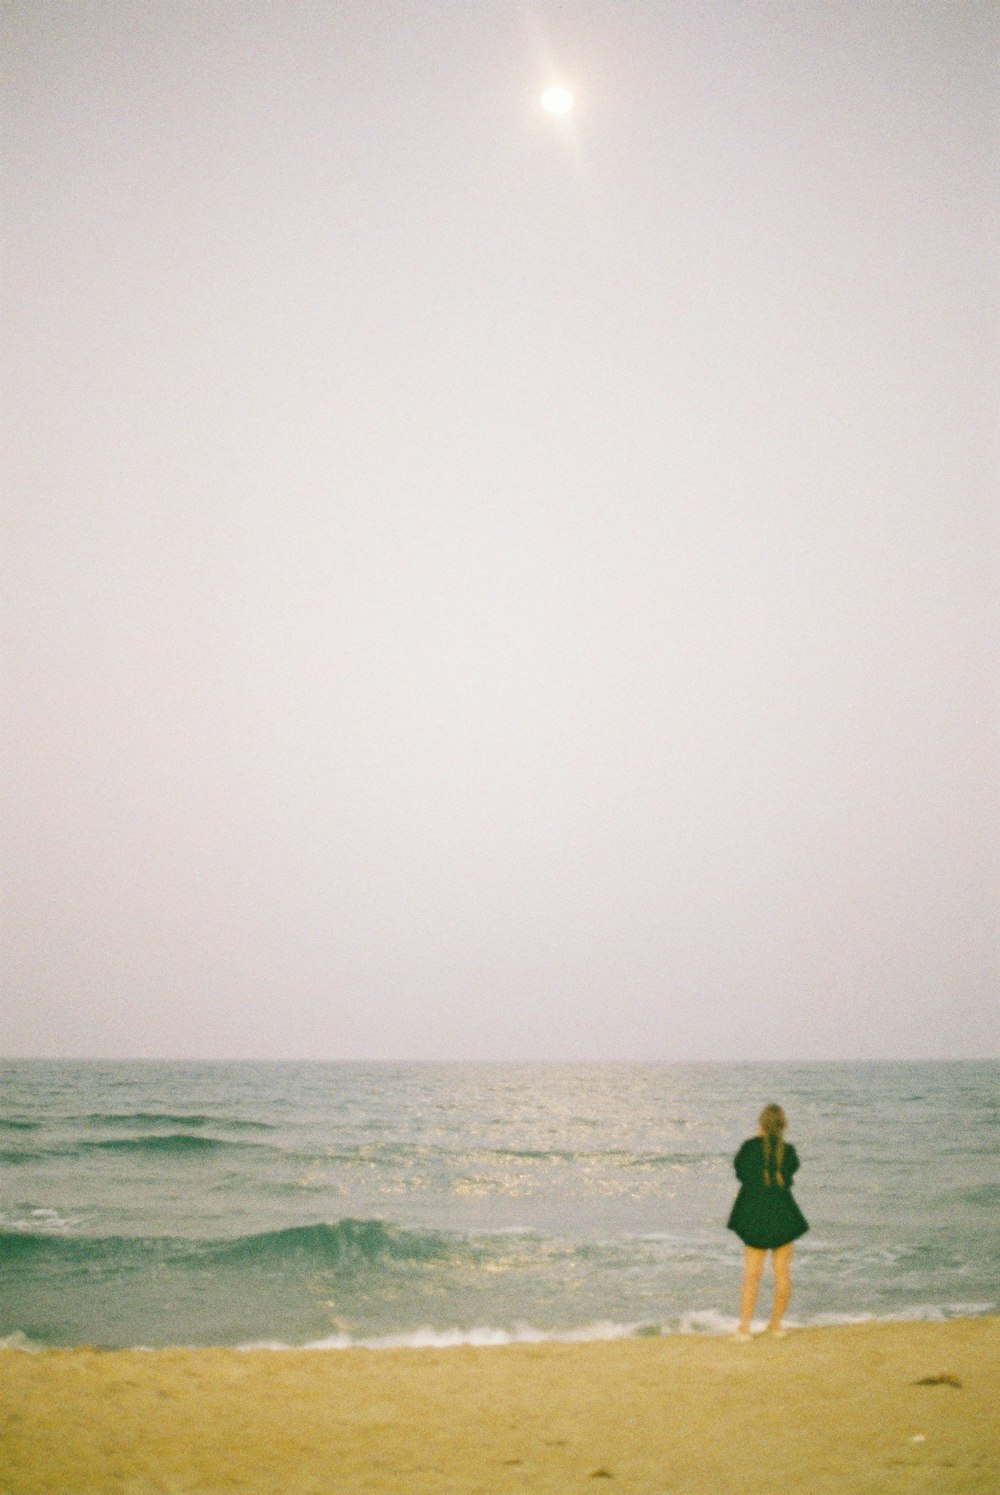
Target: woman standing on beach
765,1215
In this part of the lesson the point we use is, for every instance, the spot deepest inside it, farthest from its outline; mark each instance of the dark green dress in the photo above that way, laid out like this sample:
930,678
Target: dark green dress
765,1216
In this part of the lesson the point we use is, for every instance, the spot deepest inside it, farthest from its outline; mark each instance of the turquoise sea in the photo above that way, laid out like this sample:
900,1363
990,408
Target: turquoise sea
330,1204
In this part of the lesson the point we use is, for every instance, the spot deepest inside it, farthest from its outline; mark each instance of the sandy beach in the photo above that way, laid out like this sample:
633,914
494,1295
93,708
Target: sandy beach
877,1407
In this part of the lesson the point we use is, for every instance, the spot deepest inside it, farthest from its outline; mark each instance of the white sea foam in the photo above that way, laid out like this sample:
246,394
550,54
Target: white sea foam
43,1220
938,1312
705,1321
489,1232
917,1313
19,1341
483,1337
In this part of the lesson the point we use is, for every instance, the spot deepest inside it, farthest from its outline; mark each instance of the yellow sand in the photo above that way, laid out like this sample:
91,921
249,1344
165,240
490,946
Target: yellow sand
826,1410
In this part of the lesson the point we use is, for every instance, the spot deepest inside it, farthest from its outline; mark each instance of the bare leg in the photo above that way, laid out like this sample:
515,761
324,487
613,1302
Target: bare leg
782,1263
753,1265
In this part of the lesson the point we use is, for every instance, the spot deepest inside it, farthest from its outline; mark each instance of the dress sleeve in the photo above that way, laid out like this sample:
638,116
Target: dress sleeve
742,1163
791,1166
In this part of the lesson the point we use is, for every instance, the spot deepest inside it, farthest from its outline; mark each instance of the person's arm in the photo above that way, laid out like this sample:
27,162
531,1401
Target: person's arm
741,1163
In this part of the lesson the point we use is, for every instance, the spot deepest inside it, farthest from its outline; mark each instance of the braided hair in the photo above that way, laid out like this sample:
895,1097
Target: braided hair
772,1128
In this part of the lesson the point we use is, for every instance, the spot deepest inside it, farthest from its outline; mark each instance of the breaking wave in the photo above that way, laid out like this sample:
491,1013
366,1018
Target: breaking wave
174,1142
193,1120
345,1245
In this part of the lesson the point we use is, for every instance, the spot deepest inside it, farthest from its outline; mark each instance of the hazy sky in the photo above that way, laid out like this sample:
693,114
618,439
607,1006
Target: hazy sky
485,585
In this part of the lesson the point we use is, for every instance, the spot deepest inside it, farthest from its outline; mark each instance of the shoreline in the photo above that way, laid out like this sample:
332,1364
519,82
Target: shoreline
707,1324
833,1410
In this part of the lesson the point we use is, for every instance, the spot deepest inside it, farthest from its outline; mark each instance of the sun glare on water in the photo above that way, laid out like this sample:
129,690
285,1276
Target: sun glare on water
557,100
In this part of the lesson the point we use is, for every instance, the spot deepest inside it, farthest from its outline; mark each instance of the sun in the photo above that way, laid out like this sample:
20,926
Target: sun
557,99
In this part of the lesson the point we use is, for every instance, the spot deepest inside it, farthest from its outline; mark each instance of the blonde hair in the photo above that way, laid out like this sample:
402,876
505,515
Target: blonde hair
772,1123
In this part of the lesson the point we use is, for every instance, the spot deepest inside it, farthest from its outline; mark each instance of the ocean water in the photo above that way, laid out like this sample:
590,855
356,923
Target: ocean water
332,1204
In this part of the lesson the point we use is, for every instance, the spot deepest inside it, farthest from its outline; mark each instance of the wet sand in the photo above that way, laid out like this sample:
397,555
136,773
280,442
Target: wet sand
832,1411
